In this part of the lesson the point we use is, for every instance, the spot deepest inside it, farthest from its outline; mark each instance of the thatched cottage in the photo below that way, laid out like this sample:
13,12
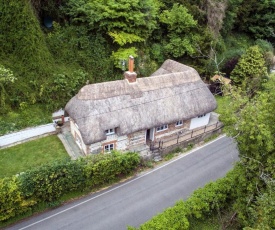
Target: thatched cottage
130,114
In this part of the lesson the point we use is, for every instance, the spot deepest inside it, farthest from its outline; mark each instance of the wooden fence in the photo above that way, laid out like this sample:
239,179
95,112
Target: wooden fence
183,137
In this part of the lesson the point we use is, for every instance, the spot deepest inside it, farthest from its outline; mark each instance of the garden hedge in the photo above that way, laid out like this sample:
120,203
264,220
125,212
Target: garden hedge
19,194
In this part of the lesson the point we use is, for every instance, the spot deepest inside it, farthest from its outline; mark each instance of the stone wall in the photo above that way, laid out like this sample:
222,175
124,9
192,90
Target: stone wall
137,138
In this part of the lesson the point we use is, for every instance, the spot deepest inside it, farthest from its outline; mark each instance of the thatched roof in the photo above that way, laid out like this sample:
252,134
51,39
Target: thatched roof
172,93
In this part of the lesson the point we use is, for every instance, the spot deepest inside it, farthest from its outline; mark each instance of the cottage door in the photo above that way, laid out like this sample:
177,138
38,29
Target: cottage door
150,134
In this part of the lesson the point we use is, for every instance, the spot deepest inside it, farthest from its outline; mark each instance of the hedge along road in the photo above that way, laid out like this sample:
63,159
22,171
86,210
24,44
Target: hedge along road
139,199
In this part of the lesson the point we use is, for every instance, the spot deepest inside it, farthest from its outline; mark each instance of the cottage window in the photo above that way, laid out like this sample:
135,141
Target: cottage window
110,131
201,115
179,123
109,147
161,128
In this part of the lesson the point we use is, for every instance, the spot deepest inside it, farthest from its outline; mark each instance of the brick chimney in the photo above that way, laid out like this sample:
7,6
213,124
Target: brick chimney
130,75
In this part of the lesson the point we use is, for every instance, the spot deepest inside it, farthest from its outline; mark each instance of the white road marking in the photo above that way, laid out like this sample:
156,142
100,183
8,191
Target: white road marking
168,163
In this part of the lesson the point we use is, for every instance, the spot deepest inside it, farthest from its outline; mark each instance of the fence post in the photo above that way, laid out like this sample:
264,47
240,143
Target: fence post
178,139
204,129
192,134
162,144
159,144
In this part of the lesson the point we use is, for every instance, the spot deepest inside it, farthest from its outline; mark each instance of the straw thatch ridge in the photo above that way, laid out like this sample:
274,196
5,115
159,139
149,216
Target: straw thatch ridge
172,93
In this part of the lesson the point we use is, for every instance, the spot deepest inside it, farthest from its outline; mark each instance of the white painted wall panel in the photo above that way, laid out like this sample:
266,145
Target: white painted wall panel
74,131
199,121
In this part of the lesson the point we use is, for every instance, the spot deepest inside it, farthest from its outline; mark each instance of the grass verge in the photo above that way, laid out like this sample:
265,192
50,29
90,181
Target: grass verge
31,154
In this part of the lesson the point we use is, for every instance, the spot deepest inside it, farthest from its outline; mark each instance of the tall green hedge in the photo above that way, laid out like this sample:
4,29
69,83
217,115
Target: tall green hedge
47,183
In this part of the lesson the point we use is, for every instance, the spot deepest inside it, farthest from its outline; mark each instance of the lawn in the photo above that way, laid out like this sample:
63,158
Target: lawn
31,154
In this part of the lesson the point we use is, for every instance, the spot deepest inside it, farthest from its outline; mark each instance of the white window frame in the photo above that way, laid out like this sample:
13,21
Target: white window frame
109,147
179,123
110,132
161,128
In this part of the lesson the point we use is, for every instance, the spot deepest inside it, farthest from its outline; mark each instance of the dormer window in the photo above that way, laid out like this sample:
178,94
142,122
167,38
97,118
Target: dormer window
109,131
179,123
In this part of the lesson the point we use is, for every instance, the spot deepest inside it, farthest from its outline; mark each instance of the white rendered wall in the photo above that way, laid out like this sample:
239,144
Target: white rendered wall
199,121
74,130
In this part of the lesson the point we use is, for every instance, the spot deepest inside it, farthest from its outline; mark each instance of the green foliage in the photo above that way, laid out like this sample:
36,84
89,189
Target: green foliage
181,31
251,17
65,86
123,38
12,202
157,52
23,49
235,47
251,122
250,72
31,115
263,211
136,17
231,15
267,51
6,78
48,182
171,218
75,48
123,54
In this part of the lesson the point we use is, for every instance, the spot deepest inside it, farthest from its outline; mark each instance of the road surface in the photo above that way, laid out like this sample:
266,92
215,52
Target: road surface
139,199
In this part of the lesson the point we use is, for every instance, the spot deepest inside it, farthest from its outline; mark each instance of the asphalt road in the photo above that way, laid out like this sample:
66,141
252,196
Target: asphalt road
139,199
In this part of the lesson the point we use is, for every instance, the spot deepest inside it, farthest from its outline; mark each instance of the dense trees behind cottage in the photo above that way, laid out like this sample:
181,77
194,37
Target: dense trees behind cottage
90,40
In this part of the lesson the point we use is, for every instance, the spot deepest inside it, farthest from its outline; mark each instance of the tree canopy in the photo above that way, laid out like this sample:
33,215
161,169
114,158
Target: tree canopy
251,70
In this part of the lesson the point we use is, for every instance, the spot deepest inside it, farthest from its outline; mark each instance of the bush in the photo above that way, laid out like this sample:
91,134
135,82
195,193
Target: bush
49,182
12,202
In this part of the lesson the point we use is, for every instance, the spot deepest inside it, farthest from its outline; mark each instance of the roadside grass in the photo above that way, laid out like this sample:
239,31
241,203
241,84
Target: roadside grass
31,154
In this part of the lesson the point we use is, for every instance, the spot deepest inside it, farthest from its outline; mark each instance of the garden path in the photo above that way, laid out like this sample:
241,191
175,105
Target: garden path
26,135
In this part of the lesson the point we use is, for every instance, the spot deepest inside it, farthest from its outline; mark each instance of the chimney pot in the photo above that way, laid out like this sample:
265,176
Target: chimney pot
131,64
130,75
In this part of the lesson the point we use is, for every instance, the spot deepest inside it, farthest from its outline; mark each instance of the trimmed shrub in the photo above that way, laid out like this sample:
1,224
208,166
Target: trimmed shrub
12,201
49,182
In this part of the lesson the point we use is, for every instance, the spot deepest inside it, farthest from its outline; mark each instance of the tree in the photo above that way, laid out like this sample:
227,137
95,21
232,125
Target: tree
256,17
181,27
125,22
250,71
252,125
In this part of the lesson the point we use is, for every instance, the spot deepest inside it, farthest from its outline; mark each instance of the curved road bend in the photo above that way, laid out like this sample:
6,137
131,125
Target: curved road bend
139,199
